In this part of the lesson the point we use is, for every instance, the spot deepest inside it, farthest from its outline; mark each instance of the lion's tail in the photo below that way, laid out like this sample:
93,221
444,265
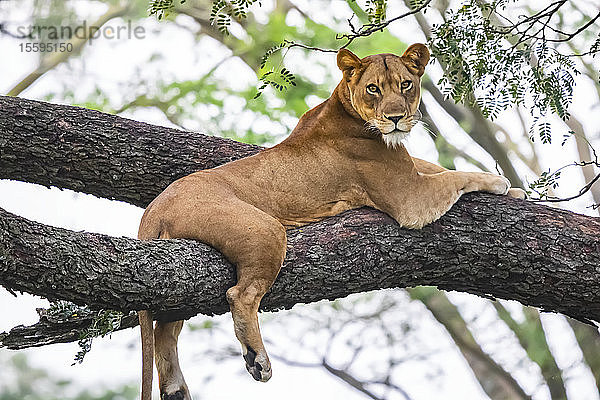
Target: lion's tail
147,333
150,228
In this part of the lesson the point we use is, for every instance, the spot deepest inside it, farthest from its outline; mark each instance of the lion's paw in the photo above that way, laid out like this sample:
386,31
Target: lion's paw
517,193
499,185
258,365
178,395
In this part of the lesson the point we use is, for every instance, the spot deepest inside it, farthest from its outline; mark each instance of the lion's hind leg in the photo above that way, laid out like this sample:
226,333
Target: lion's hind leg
170,378
256,244
249,238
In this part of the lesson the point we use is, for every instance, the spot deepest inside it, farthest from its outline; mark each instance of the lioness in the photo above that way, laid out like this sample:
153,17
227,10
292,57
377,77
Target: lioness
345,153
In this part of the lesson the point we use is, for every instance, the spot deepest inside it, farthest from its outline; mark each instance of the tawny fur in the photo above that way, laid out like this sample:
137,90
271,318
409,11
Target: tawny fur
339,157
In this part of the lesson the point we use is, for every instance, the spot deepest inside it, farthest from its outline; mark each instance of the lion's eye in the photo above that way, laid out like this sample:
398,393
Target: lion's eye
373,89
406,85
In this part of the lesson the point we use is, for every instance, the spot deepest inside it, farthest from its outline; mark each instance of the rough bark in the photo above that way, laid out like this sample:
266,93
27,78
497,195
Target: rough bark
102,154
486,245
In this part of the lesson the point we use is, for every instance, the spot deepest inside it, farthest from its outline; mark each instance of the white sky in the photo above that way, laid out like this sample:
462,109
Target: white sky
111,362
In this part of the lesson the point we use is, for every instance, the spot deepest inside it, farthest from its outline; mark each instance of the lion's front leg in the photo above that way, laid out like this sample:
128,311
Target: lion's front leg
467,182
427,197
425,167
491,183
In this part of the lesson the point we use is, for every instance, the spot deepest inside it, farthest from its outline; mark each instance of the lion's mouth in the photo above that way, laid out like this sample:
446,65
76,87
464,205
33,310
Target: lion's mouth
395,130
379,130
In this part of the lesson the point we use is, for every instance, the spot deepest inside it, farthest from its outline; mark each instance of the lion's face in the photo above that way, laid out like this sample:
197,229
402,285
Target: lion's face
385,89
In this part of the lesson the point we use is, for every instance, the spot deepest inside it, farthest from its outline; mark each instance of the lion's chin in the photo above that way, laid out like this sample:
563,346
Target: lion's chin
394,138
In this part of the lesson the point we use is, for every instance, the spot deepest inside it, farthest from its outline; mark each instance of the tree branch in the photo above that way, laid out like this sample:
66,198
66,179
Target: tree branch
486,245
532,338
495,381
102,154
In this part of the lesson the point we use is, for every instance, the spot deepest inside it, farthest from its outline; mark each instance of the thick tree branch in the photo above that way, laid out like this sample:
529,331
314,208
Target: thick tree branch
102,154
486,245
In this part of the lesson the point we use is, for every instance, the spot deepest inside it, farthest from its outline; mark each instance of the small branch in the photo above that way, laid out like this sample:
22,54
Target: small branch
368,29
54,329
363,31
582,191
350,380
496,382
577,32
9,33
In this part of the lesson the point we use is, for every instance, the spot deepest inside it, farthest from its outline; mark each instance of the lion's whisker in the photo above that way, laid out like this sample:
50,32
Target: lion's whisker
419,117
427,128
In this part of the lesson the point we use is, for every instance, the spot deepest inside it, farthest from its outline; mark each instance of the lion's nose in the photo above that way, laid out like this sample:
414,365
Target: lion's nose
395,118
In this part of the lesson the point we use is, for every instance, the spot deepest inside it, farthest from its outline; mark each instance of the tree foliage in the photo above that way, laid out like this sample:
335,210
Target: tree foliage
494,56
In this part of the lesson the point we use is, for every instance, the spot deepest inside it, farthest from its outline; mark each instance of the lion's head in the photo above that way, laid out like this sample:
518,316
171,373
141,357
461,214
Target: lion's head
385,89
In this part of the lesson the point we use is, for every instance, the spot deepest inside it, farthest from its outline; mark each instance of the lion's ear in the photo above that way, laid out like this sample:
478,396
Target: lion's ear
416,58
347,61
